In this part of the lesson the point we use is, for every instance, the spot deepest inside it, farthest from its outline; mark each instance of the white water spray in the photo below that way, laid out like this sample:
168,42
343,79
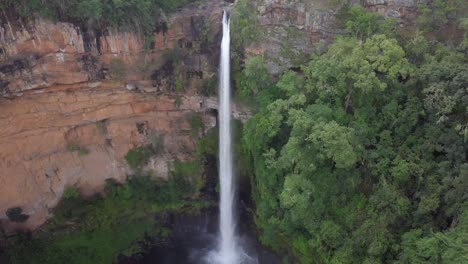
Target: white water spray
227,251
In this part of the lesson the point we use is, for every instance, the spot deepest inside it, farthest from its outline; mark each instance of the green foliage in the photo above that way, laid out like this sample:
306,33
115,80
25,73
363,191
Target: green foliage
157,142
253,80
363,24
180,83
139,156
437,13
141,15
209,86
73,147
196,123
352,70
97,230
71,193
463,24
362,158
245,26
190,174
15,214
208,144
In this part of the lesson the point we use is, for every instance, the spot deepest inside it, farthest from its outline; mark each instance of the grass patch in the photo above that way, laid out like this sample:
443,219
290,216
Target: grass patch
74,147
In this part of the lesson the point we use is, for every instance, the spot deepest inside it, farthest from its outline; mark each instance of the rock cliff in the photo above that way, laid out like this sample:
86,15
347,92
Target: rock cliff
293,29
74,102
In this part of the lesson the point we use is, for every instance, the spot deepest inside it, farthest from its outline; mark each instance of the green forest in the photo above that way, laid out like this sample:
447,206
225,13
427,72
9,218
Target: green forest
361,155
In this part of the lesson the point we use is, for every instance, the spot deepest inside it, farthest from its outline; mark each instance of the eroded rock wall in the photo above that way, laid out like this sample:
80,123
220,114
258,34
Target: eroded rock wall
106,92
37,54
292,29
73,103
42,135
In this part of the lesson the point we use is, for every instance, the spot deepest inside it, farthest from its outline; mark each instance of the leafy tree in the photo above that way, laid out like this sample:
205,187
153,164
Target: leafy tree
254,78
362,158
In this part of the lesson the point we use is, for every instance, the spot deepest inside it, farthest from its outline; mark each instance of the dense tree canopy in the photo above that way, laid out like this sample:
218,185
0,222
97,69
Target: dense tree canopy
362,156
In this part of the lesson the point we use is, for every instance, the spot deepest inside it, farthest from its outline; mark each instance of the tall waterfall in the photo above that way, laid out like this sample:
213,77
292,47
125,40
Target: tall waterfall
227,251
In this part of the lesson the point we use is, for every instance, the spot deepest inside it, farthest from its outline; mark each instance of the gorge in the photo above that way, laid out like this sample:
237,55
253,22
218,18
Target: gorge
347,118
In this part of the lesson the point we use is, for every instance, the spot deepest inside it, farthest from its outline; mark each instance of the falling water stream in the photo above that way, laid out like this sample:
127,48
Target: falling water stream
195,240
227,250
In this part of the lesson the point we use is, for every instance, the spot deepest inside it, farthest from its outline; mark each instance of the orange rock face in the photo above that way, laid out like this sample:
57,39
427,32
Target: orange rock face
36,163
62,92
39,54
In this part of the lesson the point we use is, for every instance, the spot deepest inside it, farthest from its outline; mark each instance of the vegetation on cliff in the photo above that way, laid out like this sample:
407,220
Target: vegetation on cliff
360,157
121,221
96,230
139,14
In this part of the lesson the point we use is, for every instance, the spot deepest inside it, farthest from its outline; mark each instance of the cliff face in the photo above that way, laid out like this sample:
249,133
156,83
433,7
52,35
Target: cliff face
40,54
74,103
294,28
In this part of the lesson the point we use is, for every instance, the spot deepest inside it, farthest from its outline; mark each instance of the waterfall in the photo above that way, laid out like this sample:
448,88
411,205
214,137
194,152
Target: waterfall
227,251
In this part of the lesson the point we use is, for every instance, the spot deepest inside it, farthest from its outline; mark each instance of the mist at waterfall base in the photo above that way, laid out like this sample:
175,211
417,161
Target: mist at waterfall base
211,237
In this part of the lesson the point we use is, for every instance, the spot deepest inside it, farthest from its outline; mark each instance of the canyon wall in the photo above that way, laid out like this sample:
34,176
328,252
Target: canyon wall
74,102
292,29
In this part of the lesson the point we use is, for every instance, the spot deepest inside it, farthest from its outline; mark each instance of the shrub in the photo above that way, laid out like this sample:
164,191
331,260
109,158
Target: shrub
437,13
188,177
139,156
209,86
244,24
74,147
71,193
15,214
196,123
362,23
208,144
180,83
117,68
157,142
253,80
